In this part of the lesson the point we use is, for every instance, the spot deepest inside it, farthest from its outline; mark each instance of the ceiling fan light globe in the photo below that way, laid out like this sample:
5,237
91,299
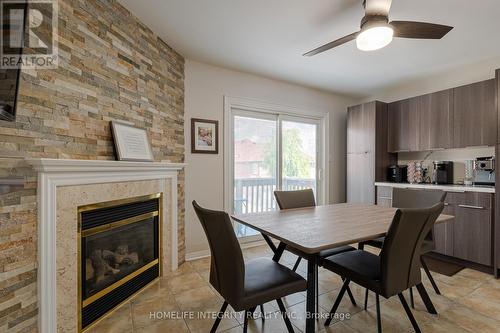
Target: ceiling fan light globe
374,38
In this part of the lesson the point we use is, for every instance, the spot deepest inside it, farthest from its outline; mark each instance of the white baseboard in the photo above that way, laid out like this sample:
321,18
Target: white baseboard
206,253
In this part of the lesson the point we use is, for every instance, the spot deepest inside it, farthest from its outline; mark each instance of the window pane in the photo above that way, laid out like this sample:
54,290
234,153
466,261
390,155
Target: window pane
254,167
299,155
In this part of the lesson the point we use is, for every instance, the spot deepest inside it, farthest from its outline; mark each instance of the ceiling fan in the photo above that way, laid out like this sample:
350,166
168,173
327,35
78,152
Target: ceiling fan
377,32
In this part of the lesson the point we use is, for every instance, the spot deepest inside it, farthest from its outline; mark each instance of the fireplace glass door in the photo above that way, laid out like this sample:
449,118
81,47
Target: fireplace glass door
119,253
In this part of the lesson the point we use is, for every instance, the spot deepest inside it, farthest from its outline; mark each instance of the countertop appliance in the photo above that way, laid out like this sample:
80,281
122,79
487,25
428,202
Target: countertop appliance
484,171
397,173
442,172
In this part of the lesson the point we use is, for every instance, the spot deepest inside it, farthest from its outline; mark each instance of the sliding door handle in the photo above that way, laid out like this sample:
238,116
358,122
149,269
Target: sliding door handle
471,207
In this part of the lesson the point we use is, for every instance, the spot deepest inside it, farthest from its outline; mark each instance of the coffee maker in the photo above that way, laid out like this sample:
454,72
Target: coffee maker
484,171
442,172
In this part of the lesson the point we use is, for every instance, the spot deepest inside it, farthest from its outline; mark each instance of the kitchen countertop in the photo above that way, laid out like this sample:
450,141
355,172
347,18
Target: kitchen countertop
449,188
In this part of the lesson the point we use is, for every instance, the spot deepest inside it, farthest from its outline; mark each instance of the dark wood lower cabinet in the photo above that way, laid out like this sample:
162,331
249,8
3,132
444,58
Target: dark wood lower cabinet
443,233
471,230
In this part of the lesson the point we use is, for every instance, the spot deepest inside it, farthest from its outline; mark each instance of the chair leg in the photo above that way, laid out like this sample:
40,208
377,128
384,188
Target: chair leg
409,313
361,246
219,317
285,315
245,321
426,269
412,301
366,299
296,264
425,297
262,312
379,320
337,302
351,296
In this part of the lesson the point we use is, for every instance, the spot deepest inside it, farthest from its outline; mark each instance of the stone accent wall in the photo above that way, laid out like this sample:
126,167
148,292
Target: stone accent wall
111,67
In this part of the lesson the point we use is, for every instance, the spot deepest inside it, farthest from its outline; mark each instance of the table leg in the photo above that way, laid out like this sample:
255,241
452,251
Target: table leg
269,242
279,251
311,294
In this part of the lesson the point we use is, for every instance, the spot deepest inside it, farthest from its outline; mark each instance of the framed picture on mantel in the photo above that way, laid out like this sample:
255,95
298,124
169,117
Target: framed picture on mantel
131,143
204,136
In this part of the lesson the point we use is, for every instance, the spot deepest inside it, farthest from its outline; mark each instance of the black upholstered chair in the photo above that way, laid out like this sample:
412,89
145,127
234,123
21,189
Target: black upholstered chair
408,198
396,269
244,285
301,199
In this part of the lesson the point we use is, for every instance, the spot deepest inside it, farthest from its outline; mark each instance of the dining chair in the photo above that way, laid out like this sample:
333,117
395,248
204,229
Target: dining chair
301,199
408,198
396,268
244,285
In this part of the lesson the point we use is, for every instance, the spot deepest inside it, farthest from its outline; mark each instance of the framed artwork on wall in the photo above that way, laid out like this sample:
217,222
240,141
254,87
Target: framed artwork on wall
131,143
204,136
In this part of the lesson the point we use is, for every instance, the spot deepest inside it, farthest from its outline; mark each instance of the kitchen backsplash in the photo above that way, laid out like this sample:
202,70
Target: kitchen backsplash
458,156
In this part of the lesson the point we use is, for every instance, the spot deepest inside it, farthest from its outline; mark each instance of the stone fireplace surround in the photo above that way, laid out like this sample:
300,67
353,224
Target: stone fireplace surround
63,185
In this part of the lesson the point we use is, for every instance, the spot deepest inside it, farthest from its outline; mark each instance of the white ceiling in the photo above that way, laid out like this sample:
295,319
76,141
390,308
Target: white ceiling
268,37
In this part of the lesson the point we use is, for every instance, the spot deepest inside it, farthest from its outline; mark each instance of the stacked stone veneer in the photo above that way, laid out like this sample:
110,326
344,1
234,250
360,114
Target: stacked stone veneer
111,67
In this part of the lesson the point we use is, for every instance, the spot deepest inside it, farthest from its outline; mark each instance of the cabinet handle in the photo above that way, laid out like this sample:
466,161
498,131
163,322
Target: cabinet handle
455,191
389,198
471,207
437,148
446,204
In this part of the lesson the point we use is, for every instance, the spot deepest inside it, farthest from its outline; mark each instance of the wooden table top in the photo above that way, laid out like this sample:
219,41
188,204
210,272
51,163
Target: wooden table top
314,229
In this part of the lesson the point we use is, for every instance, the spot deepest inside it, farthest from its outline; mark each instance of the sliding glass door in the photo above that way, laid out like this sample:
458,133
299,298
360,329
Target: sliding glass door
271,152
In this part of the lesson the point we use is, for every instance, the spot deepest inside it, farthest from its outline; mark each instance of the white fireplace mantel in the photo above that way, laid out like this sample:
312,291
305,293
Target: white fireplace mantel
53,173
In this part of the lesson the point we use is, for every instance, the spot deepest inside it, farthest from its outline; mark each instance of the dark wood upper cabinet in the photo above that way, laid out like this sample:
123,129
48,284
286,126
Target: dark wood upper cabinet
404,125
436,120
475,115
398,126
497,99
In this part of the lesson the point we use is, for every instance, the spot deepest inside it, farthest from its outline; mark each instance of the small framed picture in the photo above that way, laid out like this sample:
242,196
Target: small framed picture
204,136
131,143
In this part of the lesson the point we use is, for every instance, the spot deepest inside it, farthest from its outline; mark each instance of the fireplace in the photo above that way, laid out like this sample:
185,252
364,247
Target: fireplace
119,253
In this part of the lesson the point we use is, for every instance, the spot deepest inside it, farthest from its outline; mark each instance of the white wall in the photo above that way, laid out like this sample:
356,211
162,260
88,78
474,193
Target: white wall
450,78
205,87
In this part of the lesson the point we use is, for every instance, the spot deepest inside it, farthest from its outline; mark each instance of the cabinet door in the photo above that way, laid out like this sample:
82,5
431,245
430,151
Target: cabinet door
436,120
360,178
443,232
384,196
474,115
398,126
354,126
472,228
361,128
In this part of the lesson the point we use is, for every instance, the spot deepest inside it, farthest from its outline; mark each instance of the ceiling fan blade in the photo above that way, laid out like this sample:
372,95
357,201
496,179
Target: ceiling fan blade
422,30
331,45
377,7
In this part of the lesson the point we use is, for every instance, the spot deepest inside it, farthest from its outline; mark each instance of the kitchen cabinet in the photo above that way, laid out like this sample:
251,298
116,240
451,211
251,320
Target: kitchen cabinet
384,196
436,120
367,156
475,115
443,232
472,227
470,235
404,125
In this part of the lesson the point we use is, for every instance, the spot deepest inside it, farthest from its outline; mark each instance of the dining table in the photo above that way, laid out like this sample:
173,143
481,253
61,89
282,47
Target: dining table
311,230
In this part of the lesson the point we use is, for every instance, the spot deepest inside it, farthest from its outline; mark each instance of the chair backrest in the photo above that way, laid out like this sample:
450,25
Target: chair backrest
295,199
400,255
227,269
408,198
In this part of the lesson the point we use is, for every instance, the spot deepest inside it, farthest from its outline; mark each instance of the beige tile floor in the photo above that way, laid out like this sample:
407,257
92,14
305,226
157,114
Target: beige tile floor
470,302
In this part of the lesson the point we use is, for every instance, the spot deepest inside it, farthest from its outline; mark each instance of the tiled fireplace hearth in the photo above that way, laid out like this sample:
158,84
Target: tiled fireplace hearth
88,212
